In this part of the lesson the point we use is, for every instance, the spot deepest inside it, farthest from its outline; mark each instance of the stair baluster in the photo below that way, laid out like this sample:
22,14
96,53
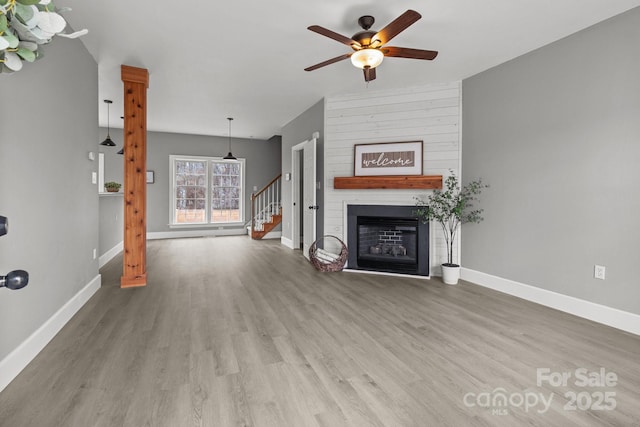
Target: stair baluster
266,209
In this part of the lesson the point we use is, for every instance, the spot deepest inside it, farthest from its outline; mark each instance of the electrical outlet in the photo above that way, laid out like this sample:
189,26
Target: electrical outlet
598,272
95,253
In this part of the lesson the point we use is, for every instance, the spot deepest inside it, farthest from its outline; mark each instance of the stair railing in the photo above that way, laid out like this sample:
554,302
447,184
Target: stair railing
265,203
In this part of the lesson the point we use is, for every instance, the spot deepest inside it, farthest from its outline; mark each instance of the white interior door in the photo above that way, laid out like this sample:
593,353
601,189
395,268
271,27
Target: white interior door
310,207
296,196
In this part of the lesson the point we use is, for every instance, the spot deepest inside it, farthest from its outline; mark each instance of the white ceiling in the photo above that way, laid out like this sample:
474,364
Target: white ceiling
211,60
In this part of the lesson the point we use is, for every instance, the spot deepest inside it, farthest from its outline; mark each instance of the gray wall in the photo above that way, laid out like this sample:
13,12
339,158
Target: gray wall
113,162
111,222
262,165
296,131
111,205
48,127
556,133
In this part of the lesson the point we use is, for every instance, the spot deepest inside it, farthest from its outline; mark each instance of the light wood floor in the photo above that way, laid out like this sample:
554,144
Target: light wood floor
234,332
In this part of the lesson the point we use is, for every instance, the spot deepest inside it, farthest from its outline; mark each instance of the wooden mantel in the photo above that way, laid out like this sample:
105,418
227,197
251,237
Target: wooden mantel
418,182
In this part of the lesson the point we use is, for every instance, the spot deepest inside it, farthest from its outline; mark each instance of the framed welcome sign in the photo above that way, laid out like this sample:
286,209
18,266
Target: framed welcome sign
389,158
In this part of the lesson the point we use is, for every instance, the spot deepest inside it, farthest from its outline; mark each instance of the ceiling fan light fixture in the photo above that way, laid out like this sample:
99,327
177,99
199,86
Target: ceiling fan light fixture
370,46
367,58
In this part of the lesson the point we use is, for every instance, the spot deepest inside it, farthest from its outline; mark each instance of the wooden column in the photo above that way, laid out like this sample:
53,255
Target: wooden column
136,82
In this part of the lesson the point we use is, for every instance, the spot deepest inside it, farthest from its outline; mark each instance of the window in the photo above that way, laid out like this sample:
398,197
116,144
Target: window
206,190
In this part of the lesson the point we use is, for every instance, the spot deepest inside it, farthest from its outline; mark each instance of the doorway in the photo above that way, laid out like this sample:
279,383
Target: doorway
304,207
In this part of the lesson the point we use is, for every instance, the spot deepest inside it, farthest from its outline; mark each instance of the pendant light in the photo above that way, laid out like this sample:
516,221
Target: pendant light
229,156
108,142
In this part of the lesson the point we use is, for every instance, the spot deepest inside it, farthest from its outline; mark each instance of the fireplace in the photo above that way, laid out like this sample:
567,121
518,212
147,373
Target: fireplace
387,238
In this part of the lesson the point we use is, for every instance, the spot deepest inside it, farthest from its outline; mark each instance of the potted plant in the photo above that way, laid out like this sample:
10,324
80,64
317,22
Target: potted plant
112,187
451,207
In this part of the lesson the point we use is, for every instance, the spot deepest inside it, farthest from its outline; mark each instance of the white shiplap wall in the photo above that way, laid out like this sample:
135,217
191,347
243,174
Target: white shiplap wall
431,114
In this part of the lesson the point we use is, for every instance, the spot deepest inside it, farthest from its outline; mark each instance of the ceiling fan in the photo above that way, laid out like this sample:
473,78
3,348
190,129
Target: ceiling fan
368,45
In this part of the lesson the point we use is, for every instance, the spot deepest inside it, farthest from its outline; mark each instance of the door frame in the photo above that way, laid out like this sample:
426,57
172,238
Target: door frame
296,190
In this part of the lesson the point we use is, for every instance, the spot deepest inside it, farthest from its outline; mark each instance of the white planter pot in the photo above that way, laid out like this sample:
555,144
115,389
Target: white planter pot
450,274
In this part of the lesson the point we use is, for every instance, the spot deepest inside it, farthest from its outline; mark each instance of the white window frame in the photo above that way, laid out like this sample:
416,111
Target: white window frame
207,222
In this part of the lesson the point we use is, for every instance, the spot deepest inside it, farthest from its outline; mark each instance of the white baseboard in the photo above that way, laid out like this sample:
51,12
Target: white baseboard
273,235
19,358
195,233
110,254
287,242
609,316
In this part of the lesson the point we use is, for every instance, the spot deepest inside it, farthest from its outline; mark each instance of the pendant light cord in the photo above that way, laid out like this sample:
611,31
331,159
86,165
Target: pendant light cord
230,156
230,119
108,142
108,127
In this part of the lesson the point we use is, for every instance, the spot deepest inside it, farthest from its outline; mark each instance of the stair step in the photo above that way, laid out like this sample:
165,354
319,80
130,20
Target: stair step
267,227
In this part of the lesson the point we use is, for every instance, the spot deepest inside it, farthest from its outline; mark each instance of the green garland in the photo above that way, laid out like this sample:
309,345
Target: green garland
25,25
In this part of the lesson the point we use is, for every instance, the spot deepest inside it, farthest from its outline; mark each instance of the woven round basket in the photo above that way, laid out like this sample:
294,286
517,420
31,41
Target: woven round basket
328,261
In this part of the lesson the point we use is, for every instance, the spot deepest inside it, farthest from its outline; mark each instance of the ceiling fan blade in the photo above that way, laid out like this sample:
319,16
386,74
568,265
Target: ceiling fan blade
333,35
369,74
328,62
400,24
405,52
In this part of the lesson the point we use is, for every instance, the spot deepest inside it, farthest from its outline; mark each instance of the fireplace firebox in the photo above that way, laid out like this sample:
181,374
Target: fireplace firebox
387,238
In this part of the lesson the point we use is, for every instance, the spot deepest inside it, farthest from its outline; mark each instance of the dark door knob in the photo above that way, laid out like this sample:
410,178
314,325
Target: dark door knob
4,225
16,279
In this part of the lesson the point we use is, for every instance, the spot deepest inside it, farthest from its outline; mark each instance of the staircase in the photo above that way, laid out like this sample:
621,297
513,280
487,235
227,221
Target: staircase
266,210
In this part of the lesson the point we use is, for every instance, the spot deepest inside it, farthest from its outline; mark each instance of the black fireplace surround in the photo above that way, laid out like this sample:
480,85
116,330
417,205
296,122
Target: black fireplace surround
387,238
